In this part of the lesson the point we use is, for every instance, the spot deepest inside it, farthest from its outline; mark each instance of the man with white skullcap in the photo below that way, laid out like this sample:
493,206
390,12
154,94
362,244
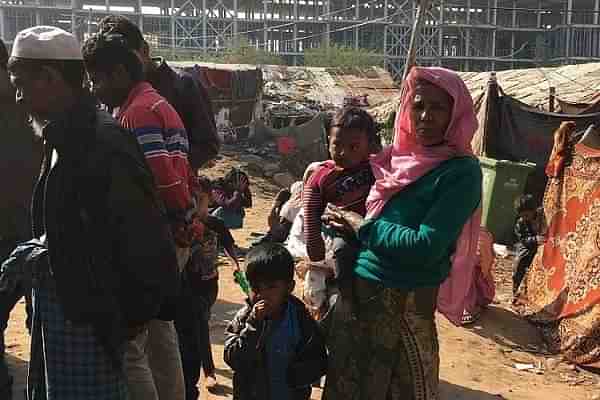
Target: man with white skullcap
20,153
104,257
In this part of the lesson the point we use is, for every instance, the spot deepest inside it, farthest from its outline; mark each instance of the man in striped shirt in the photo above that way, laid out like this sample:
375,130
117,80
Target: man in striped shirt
116,76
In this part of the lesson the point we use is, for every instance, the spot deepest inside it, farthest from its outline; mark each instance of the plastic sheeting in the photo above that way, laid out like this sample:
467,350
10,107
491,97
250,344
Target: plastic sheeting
511,130
310,142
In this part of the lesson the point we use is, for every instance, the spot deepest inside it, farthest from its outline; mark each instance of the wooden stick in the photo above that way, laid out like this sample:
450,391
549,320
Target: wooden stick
411,57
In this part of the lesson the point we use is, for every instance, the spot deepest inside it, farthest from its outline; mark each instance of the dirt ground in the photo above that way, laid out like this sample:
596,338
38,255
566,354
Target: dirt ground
477,363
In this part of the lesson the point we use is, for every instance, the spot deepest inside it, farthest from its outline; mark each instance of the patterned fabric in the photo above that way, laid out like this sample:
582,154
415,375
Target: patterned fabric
347,189
67,362
561,290
372,358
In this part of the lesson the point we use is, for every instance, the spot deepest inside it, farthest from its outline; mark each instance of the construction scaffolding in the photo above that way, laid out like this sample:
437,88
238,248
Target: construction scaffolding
475,35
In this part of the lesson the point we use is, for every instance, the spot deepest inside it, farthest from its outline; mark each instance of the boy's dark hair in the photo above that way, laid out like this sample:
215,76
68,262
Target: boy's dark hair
122,25
204,183
351,117
524,203
269,262
3,54
104,52
72,71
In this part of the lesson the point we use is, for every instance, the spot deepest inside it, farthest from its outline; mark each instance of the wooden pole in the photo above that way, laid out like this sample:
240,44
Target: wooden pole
411,57
551,99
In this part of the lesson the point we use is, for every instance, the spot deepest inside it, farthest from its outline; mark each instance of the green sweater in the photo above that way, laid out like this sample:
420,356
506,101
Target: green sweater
410,244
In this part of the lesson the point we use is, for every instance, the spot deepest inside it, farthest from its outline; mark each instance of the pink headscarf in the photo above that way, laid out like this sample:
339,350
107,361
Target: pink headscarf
405,162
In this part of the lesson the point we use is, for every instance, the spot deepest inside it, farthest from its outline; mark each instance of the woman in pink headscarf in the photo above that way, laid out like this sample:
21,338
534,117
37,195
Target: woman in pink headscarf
419,240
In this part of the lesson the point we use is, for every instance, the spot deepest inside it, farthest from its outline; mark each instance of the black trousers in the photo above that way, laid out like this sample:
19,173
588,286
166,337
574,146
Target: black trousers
522,263
192,326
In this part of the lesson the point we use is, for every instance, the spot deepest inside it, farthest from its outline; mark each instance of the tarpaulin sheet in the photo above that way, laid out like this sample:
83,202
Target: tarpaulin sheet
579,108
511,130
235,90
310,142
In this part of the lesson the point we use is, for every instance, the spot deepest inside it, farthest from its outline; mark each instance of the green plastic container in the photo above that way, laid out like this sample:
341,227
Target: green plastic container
503,182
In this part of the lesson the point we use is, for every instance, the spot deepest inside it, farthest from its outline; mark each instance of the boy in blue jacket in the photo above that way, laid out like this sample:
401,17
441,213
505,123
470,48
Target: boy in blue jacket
273,344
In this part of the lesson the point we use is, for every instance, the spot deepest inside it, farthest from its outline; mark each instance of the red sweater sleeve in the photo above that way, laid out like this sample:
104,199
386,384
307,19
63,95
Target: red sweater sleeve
313,210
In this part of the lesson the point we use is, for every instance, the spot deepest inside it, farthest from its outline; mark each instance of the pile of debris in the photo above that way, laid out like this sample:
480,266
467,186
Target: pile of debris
263,161
280,113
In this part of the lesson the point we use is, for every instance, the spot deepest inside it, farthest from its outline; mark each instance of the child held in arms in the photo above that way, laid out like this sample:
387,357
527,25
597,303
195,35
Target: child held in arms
344,182
273,344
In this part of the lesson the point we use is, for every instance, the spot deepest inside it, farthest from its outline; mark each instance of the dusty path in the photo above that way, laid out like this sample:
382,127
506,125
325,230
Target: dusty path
476,363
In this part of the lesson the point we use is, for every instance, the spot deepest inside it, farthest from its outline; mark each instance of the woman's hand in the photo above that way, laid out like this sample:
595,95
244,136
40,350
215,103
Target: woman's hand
347,223
561,136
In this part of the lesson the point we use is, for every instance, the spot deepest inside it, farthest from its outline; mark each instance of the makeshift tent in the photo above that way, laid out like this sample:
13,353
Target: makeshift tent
236,89
305,143
511,130
568,107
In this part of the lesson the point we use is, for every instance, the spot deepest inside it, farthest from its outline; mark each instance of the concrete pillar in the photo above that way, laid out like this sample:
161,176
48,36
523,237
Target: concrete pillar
568,28
513,38
385,32
327,37
140,7
3,33
76,23
494,32
107,5
356,30
172,20
74,8
468,37
596,12
265,32
235,21
296,45
204,27
441,34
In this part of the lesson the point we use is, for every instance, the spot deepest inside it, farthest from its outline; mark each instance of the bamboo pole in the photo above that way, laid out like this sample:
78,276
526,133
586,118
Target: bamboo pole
411,57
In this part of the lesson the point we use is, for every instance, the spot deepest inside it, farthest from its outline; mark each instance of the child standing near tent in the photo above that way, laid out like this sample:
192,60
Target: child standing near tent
231,196
528,237
200,290
344,181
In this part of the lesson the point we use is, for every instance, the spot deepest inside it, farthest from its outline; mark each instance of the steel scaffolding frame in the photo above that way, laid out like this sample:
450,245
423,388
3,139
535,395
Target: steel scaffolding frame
461,34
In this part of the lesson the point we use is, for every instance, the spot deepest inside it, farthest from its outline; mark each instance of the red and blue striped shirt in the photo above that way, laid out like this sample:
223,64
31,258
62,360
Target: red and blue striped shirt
163,139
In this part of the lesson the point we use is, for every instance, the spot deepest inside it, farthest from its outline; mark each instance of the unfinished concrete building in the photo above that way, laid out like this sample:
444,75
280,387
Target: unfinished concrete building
461,34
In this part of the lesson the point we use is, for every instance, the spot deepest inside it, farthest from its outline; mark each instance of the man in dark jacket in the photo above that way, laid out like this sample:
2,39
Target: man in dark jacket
187,95
273,345
110,258
20,165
